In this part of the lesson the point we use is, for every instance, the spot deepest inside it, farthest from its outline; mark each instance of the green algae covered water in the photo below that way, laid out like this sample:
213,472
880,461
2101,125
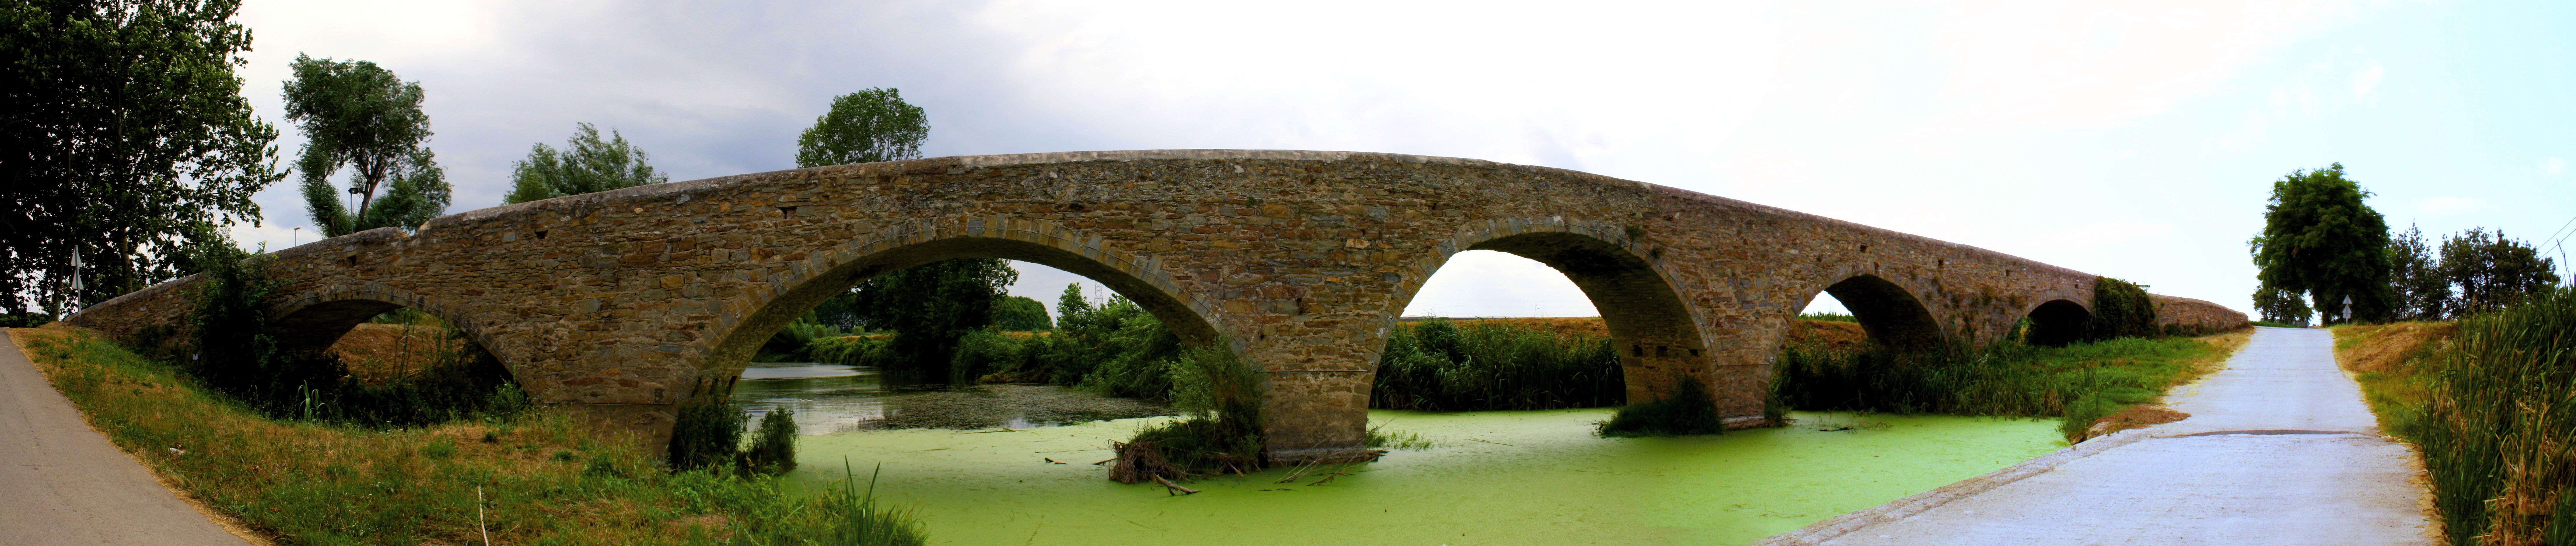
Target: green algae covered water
1521,477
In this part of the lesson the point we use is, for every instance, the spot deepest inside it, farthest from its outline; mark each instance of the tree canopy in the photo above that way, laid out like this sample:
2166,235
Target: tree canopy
358,115
2493,271
931,306
123,134
2415,279
586,164
869,126
2319,239
1021,314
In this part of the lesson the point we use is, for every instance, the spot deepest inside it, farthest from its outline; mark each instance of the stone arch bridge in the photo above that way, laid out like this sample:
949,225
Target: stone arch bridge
613,304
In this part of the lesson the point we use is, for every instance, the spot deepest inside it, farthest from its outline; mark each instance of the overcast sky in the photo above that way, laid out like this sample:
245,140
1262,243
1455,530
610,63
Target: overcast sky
2135,140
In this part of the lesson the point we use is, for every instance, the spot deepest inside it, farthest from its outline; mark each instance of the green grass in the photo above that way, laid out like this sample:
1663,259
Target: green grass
537,478
1828,317
2079,383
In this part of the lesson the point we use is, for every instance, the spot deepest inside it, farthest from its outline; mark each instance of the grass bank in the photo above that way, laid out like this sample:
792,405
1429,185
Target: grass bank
2491,403
529,478
2095,387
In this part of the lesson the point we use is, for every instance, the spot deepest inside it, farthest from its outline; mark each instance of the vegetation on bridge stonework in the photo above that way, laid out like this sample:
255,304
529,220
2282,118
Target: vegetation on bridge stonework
533,477
235,354
2488,402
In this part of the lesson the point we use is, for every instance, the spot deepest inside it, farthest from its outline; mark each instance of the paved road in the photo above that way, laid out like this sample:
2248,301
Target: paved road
2279,449
62,483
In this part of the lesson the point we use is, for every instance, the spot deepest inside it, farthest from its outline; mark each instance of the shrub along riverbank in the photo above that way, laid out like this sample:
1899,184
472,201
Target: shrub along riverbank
2491,403
2081,383
522,477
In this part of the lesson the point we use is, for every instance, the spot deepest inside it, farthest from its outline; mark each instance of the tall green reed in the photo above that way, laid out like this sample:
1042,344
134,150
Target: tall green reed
2499,431
1439,366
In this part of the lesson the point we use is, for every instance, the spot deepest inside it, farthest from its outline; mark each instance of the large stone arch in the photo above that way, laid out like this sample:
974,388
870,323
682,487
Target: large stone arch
836,269
1655,329
1892,314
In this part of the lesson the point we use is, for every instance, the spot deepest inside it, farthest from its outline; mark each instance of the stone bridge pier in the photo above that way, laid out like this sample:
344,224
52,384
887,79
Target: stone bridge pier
616,304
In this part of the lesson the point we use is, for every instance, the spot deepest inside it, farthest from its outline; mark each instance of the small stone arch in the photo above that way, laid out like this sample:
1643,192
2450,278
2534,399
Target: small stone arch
1892,315
314,321
845,265
2056,323
1655,331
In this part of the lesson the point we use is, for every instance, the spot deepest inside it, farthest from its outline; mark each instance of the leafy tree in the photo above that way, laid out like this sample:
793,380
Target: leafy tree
2493,271
2416,278
123,134
2320,239
869,126
2282,306
930,307
1020,314
358,115
586,164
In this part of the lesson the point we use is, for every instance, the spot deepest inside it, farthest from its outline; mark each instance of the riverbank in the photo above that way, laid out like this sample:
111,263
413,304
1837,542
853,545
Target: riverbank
524,479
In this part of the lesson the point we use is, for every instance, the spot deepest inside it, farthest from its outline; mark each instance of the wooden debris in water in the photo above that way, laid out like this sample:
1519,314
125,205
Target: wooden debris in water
1169,488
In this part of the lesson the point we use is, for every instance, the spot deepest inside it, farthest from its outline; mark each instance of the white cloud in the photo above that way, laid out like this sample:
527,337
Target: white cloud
2553,166
2367,82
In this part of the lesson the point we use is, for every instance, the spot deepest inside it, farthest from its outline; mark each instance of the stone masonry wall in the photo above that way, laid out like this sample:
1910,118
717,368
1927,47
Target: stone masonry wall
619,303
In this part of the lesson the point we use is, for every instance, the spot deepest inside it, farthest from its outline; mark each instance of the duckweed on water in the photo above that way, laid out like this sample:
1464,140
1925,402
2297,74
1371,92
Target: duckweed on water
1514,477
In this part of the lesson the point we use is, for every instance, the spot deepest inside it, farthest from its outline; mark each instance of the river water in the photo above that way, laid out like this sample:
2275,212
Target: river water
1018,470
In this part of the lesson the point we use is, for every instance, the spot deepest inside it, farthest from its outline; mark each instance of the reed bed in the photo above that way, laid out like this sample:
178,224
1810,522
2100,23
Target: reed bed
1438,365
2498,428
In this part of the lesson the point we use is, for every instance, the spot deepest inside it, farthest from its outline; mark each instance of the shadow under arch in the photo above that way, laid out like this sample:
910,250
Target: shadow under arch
313,322
2057,323
1890,314
1652,329
1149,289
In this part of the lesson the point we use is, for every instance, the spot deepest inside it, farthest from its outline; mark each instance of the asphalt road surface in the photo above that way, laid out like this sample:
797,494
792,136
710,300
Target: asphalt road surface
2279,450
62,483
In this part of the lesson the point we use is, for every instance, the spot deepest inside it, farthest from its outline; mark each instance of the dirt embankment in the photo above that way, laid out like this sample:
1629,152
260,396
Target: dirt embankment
2385,347
379,352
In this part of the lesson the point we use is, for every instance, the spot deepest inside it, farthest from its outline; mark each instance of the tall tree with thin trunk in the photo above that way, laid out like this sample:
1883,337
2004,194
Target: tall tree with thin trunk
357,115
2416,277
124,137
2320,239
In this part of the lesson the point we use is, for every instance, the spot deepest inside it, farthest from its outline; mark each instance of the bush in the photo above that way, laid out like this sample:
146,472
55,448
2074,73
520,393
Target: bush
2120,309
773,446
706,428
1438,366
1220,396
1689,412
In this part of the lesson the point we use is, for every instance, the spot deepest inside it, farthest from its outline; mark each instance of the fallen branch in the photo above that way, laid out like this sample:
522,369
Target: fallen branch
1300,472
1169,487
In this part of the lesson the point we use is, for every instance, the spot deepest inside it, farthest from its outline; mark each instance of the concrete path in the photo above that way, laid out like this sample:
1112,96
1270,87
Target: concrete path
62,483
2279,450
